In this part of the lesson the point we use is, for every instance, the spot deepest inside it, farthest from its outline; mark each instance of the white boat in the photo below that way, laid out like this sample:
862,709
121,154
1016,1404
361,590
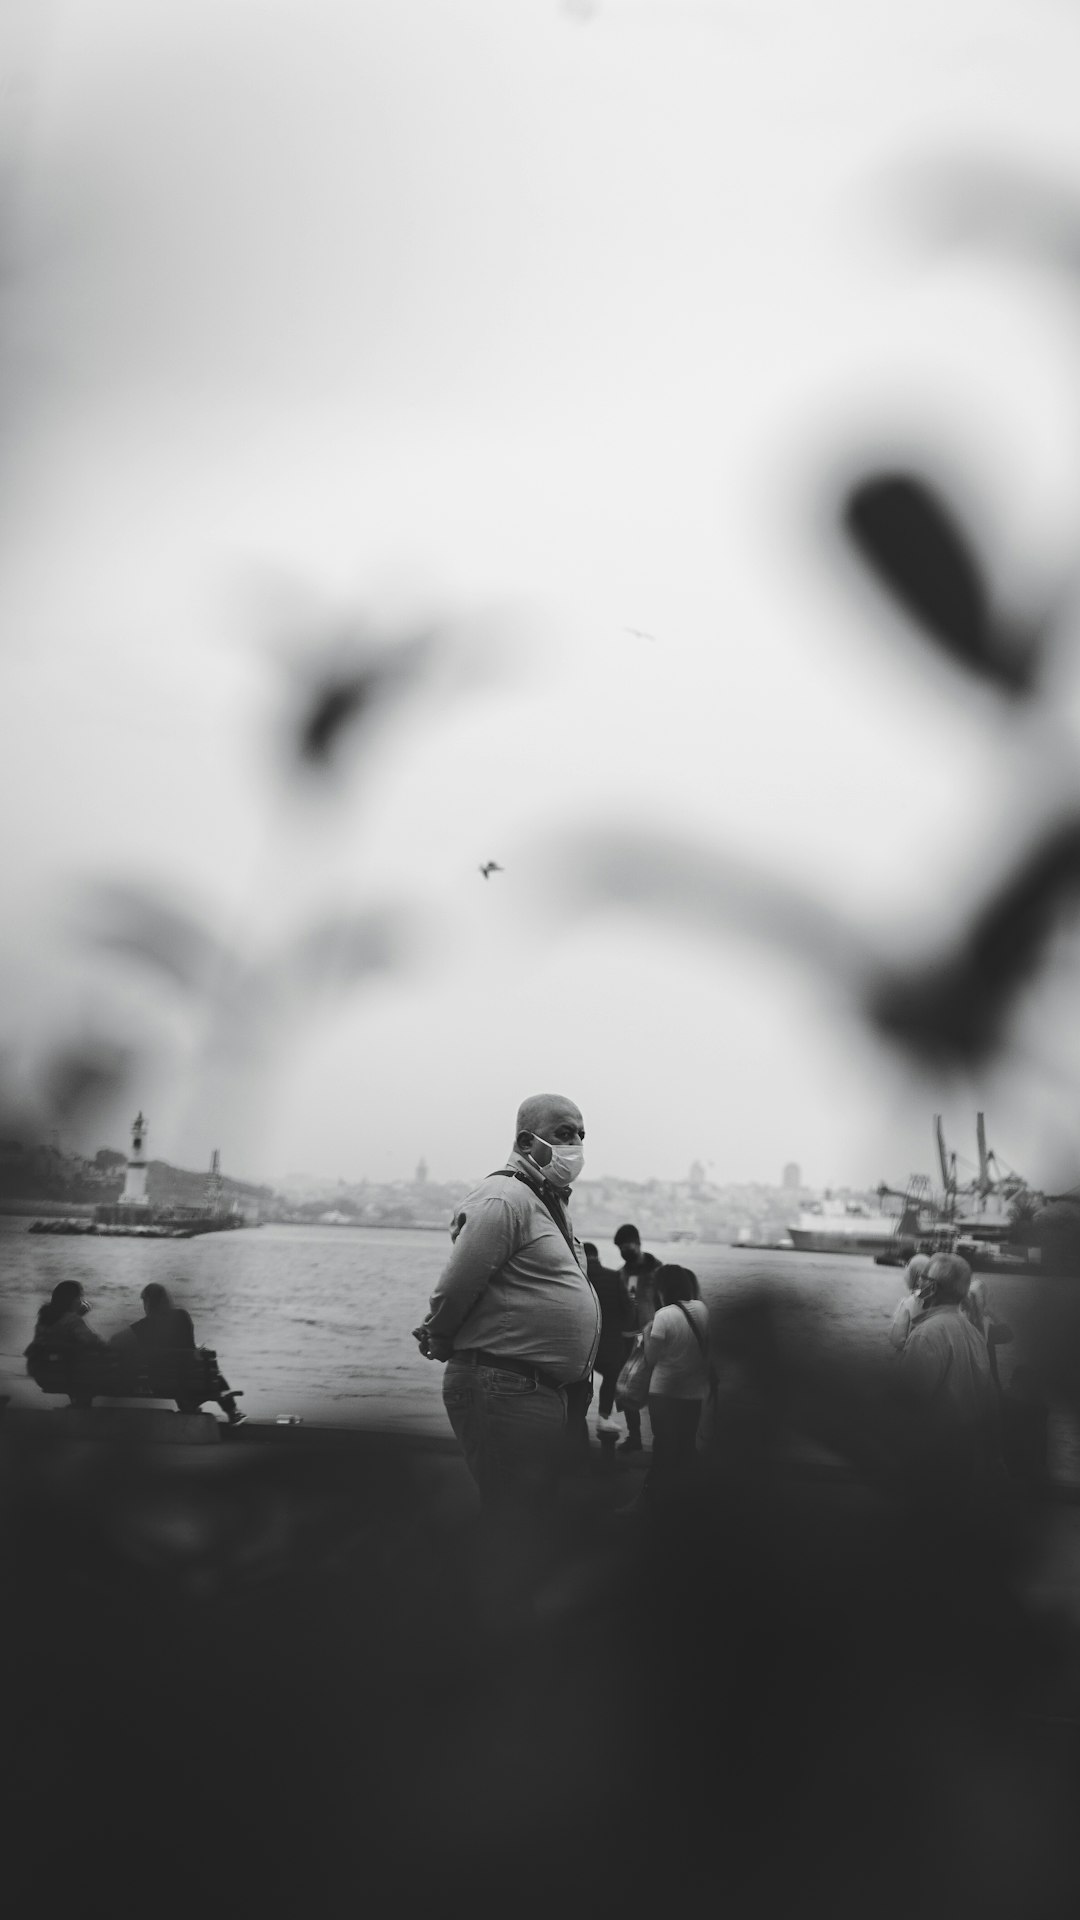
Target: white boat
843,1226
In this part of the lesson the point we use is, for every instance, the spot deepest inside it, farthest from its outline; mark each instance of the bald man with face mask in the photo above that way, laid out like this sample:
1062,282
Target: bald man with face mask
513,1314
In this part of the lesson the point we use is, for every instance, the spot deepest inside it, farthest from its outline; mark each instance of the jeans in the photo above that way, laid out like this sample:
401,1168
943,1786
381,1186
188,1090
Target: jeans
674,1439
632,1415
608,1366
510,1430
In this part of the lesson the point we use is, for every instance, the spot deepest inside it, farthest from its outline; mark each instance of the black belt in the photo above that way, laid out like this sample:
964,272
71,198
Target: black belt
476,1357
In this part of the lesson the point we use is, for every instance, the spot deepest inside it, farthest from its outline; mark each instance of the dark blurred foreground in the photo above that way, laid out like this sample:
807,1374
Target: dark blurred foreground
269,1673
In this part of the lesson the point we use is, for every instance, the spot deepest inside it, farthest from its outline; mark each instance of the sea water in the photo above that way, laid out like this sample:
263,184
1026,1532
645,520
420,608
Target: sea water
315,1321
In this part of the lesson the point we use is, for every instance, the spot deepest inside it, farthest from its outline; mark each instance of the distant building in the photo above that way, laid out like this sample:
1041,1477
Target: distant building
421,1173
697,1177
792,1177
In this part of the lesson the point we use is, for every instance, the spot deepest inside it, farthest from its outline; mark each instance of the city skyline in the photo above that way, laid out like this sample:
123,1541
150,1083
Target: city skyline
790,1176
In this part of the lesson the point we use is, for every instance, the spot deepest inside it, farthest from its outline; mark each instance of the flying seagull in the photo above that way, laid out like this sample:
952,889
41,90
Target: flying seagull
490,866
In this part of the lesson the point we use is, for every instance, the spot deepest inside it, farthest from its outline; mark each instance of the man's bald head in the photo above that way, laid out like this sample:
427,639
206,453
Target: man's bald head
548,1116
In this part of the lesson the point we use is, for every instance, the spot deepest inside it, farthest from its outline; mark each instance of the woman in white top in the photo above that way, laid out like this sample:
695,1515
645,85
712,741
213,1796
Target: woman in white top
677,1346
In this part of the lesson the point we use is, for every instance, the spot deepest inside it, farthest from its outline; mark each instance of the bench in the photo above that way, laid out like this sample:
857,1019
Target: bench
116,1373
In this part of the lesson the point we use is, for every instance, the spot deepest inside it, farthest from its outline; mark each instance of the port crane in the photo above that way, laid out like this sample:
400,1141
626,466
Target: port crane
980,1208
947,1163
919,1212
982,1205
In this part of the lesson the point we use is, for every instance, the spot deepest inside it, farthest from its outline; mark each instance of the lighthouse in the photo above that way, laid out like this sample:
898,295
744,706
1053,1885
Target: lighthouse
134,1194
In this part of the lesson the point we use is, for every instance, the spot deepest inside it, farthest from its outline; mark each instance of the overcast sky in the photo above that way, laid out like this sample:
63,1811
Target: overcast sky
552,328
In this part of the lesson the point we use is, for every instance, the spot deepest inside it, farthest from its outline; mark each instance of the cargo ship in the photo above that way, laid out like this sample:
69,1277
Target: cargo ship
844,1226
984,1219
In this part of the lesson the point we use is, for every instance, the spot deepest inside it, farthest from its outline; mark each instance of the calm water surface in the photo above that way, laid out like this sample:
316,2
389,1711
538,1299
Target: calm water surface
316,1320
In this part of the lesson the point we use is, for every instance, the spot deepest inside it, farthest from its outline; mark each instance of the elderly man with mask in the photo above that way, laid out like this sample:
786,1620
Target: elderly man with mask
947,1370
513,1313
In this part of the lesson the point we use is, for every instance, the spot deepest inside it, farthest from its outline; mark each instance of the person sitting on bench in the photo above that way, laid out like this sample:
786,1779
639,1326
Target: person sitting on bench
165,1329
61,1327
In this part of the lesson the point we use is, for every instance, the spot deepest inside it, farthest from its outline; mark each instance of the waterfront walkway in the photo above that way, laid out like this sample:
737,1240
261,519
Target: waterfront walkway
271,1657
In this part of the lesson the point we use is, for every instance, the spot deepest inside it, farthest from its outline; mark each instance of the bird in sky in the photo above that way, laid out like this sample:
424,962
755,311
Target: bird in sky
489,867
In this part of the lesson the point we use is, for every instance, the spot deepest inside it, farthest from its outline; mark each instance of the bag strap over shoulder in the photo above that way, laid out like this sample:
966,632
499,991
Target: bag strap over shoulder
703,1345
512,1173
694,1328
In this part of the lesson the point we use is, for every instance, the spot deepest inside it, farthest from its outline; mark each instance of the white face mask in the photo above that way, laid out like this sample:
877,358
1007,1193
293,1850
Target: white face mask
565,1164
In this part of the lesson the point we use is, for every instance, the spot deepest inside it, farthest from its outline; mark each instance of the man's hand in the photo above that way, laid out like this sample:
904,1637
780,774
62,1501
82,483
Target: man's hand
430,1345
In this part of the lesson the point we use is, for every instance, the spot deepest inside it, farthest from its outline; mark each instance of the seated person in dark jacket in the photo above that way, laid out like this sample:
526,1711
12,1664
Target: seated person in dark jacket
61,1329
166,1329
61,1322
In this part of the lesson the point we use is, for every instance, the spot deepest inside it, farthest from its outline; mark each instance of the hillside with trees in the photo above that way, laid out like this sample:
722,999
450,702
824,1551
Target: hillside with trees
33,1175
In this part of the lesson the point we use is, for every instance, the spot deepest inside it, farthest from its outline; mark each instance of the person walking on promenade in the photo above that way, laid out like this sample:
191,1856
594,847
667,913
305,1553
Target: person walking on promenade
628,1242
637,1271
646,1291
946,1366
616,1316
677,1347
513,1314
628,1245
910,1306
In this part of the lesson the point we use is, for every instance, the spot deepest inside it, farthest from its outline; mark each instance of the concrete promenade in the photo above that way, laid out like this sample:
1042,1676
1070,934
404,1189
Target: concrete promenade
268,1670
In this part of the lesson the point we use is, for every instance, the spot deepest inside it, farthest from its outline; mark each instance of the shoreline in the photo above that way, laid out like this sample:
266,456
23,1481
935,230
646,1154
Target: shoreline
20,1207
49,1209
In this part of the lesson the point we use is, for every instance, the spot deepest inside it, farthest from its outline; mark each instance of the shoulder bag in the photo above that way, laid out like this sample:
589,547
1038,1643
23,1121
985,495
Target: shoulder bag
635,1375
